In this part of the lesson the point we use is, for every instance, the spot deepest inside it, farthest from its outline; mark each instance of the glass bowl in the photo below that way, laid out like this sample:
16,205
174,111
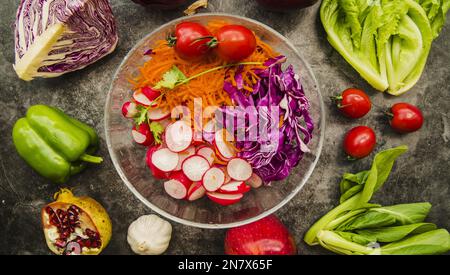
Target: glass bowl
129,158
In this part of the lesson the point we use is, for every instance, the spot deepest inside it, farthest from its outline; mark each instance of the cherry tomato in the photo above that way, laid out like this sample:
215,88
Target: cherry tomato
235,42
190,40
405,118
353,103
359,142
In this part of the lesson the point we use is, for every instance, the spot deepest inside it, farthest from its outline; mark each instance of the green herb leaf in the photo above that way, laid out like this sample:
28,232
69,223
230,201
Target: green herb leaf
395,233
142,117
157,129
171,78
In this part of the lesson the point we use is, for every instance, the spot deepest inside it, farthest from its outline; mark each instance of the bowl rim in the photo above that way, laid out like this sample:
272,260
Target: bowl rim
169,216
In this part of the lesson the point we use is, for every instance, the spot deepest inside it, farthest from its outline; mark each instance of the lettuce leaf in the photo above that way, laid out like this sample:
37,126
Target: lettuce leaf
386,41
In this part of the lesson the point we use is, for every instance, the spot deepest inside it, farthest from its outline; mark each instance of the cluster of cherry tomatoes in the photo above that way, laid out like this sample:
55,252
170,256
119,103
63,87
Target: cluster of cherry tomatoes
360,141
232,42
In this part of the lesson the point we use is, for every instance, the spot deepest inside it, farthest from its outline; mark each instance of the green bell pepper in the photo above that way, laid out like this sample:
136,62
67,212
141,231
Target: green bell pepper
54,144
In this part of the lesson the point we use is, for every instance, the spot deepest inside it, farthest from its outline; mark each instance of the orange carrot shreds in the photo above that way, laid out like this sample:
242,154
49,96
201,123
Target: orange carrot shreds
208,87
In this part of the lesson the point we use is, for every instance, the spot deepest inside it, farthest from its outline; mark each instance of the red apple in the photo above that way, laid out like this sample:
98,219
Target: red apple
267,236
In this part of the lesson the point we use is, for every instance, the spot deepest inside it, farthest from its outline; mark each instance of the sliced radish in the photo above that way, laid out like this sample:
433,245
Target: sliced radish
208,153
155,171
224,199
146,96
239,169
254,181
213,179
222,139
234,187
157,114
178,136
227,177
142,134
165,160
190,151
165,122
150,93
178,185
196,191
194,167
129,109
208,131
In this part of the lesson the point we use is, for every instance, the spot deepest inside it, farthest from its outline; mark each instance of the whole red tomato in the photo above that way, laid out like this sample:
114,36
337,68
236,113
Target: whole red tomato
190,40
353,103
405,118
359,142
267,236
235,42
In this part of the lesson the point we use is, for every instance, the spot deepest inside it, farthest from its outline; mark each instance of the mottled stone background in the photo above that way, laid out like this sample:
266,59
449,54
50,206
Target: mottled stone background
421,175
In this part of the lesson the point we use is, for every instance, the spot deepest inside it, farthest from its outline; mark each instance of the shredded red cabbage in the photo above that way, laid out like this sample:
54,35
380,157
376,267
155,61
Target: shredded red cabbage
276,88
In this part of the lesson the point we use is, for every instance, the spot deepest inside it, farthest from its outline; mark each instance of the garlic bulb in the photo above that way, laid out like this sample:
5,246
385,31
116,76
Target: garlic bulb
149,235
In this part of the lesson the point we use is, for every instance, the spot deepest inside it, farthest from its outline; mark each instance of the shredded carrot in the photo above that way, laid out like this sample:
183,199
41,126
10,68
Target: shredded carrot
208,87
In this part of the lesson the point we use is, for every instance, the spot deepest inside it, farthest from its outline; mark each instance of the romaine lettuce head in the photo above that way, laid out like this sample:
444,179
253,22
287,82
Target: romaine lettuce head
386,41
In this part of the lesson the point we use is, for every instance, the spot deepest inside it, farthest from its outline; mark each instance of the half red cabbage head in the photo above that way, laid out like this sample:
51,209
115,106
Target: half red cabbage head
276,88
53,37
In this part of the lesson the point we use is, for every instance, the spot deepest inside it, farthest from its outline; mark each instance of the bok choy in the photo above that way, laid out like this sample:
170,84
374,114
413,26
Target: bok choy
356,227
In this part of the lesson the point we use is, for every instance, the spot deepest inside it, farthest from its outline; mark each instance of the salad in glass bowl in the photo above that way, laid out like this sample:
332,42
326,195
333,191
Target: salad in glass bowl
219,108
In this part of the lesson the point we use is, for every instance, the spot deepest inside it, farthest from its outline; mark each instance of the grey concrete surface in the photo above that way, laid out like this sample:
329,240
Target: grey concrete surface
421,175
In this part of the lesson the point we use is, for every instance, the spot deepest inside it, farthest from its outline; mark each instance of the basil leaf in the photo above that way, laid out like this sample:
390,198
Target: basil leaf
428,243
395,233
406,213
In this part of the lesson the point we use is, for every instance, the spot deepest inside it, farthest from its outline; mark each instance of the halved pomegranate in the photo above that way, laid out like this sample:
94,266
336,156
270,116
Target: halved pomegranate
75,225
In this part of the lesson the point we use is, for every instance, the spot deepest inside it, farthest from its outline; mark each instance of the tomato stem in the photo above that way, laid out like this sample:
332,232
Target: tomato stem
203,38
171,40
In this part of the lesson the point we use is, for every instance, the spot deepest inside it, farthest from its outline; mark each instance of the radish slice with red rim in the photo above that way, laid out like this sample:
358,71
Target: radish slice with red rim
129,109
213,179
208,153
194,167
142,134
157,114
165,160
178,136
227,177
178,185
255,181
224,199
208,131
155,171
196,191
239,169
190,151
222,142
234,187
150,93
